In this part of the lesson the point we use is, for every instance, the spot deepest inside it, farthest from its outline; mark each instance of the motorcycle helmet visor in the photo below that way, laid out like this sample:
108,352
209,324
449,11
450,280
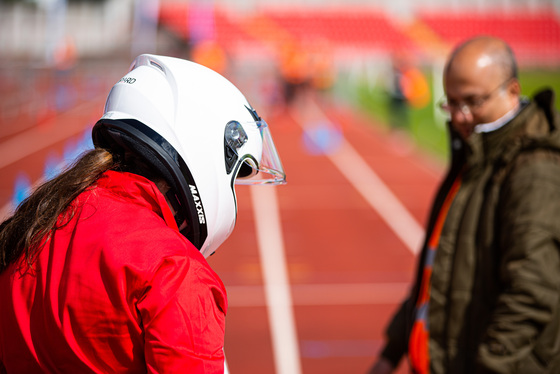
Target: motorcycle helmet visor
267,170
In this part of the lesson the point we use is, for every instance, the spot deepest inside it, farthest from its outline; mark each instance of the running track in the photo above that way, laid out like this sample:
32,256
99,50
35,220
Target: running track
314,268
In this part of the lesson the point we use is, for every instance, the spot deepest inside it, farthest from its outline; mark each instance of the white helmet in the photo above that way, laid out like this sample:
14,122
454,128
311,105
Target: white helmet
197,130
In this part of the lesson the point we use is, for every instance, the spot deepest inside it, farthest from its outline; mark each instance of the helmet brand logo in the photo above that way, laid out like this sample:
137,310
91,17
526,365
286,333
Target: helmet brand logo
128,80
198,205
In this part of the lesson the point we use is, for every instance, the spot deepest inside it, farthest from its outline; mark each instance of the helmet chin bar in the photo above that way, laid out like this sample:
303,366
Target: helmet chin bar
134,136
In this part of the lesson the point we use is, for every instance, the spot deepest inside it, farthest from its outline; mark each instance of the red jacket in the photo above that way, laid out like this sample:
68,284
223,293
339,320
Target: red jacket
118,289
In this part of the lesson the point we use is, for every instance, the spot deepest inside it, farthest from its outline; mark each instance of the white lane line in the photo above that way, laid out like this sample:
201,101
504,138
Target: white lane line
6,211
378,195
324,294
368,184
277,291
8,208
36,139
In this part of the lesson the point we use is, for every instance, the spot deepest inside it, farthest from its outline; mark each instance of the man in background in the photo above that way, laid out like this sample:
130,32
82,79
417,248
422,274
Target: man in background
486,298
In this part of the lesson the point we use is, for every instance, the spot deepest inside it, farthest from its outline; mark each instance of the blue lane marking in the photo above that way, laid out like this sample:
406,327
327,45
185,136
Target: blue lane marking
321,138
54,164
21,188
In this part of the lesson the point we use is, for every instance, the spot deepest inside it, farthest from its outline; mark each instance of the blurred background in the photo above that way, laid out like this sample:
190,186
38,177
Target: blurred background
384,57
380,60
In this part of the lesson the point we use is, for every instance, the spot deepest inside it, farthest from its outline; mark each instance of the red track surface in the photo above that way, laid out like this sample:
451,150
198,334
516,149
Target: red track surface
332,239
347,269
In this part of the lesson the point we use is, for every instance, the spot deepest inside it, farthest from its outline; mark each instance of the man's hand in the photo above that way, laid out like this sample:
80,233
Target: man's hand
381,366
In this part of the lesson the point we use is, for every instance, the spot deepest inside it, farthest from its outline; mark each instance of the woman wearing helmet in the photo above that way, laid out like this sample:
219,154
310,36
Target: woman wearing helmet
102,268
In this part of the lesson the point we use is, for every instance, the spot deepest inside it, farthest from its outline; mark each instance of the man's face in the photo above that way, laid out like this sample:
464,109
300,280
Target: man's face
478,93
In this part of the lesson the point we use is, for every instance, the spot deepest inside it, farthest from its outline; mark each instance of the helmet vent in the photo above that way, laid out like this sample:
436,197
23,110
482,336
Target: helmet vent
157,65
234,138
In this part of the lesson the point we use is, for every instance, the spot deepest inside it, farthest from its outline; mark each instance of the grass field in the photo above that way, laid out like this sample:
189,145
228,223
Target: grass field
426,125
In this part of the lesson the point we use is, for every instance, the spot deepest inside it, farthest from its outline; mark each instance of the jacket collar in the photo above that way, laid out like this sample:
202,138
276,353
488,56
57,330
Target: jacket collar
500,122
495,142
137,190
483,147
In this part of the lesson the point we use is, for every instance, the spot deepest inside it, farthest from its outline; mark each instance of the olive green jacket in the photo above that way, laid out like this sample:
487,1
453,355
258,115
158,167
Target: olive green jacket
495,290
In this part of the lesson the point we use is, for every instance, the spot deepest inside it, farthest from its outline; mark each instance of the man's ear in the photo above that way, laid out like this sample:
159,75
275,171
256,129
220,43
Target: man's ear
514,88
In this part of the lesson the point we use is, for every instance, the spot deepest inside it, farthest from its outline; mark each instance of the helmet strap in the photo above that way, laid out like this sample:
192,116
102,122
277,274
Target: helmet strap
176,205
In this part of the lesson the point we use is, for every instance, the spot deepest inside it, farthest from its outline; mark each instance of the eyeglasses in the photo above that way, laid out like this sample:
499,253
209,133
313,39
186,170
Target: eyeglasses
471,104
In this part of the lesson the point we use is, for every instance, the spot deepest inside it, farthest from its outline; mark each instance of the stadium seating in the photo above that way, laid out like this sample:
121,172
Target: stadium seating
534,35
351,28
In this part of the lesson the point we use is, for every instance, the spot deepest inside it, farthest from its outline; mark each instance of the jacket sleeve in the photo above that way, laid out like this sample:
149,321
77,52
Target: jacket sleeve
183,317
397,335
529,267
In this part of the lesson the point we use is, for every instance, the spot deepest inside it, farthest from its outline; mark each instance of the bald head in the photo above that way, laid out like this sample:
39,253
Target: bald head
482,52
480,81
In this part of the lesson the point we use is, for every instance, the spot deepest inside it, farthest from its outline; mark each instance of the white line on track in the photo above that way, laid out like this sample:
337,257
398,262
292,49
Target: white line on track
369,185
324,294
36,139
378,195
277,290
5,211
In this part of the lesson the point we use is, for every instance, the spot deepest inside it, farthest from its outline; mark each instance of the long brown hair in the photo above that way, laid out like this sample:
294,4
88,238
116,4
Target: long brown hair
38,216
